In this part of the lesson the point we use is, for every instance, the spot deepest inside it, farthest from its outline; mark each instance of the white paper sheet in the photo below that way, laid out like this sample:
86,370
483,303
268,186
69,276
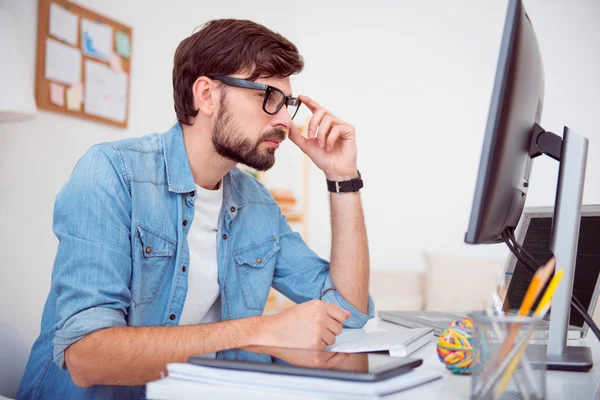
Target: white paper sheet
63,24
63,62
105,91
400,342
96,39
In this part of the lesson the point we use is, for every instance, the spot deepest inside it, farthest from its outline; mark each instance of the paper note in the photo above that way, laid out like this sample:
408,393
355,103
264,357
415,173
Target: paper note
115,62
57,94
96,39
79,86
63,62
73,99
63,24
105,91
123,44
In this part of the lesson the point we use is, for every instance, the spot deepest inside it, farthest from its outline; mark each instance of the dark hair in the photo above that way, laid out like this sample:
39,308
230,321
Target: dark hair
226,47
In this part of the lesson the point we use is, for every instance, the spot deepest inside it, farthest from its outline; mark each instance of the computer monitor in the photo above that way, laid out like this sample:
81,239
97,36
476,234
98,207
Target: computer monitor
513,137
517,101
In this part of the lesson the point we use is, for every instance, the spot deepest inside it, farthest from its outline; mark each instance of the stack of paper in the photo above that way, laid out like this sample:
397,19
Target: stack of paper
399,343
191,381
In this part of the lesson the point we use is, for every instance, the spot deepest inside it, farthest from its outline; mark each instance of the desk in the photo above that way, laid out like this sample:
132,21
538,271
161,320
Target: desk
559,385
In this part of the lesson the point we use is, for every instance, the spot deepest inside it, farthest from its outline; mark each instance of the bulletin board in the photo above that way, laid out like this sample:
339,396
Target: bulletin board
83,63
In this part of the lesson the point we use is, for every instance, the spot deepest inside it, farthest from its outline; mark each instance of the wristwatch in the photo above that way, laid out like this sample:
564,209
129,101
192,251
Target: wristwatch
353,185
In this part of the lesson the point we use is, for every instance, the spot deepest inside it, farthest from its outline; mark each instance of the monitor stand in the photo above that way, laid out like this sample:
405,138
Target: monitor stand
571,152
573,358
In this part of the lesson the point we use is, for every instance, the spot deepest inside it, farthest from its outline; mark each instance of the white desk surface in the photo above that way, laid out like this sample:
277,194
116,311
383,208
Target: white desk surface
559,385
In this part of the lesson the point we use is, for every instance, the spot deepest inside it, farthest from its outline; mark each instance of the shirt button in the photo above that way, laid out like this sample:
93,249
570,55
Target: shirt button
185,222
259,260
172,317
224,236
232,209
148,250
192,194
183,268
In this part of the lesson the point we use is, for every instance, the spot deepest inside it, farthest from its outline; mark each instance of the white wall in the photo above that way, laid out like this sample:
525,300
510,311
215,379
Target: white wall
415,79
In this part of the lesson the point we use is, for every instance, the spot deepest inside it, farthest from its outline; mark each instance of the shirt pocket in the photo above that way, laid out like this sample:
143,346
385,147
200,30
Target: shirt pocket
255,267
152,254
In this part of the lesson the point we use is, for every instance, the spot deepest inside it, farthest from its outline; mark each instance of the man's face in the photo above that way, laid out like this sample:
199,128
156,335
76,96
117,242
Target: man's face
243,132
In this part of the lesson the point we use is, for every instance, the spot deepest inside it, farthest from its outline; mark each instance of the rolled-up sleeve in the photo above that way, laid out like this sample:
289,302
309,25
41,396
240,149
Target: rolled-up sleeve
92,269
301,275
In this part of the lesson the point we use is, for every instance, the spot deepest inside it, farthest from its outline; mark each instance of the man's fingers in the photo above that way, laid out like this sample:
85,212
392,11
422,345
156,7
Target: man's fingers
298,139
328,337
334,135
324,129
310,103
334,326
315,121
337,313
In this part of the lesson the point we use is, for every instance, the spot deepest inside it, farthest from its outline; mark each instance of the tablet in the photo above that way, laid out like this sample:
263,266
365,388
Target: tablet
311,363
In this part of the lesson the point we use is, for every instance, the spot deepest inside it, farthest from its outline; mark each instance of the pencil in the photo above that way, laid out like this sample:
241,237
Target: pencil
535,287
544,305
540,312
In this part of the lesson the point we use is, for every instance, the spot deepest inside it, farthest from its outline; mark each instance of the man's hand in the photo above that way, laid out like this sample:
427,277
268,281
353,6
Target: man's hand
331,142
311,325
305,358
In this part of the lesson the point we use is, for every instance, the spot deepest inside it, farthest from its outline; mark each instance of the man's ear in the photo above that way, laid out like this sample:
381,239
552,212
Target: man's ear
205,95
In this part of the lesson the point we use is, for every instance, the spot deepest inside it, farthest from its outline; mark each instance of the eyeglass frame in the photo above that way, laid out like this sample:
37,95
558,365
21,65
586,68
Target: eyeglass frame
246,84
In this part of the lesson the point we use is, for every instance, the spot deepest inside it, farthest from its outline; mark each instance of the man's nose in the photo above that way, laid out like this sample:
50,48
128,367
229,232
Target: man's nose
282,118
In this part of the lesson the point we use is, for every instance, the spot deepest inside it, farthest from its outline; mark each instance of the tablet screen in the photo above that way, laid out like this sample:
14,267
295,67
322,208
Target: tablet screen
357,366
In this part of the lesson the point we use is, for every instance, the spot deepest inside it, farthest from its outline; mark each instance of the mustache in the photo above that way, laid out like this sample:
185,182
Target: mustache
273,134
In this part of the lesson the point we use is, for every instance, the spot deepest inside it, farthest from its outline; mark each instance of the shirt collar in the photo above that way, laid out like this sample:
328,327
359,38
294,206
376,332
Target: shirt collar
179,172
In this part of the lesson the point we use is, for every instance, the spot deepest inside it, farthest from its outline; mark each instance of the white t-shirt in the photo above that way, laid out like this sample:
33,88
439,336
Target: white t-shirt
202,303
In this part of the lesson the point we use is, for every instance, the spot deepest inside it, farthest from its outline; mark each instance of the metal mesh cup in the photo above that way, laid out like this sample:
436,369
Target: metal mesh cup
504,366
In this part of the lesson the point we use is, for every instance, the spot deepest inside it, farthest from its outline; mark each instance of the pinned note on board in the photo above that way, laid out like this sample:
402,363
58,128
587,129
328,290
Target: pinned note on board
63,24
123,44
96,39
78,86
105,92
115,62
74,98
57,94
63,62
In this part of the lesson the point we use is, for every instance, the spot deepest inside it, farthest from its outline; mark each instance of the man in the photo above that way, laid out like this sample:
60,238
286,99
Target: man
168,250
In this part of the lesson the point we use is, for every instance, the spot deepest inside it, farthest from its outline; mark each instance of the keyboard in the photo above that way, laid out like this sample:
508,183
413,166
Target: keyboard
396,341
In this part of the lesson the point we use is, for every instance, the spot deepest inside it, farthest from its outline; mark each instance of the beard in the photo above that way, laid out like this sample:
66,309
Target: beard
229,142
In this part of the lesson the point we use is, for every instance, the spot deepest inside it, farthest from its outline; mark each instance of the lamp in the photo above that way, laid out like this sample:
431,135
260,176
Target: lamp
16,87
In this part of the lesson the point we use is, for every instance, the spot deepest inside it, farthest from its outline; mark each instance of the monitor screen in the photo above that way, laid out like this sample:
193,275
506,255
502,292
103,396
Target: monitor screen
534,236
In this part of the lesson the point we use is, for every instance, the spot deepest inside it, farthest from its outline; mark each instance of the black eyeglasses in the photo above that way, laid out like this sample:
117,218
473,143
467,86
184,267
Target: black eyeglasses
274,98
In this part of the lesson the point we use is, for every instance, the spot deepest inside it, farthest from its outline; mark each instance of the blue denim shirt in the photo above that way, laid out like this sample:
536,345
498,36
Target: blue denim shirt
122,221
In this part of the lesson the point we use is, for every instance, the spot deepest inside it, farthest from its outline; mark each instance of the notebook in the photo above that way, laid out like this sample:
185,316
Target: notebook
398,343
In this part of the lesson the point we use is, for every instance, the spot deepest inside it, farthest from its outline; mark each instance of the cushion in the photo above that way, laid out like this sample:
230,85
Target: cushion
396,291
460,284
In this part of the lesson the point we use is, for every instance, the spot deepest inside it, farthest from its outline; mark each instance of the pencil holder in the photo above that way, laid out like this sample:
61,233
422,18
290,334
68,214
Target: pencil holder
504,366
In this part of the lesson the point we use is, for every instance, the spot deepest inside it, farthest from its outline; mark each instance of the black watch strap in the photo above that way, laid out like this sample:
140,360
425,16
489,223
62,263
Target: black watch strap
353,185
